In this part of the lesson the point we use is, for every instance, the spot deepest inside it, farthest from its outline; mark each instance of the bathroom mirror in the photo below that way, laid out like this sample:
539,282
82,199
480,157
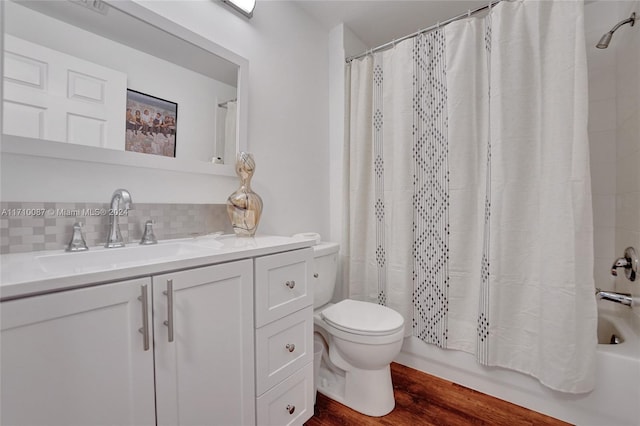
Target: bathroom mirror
73,68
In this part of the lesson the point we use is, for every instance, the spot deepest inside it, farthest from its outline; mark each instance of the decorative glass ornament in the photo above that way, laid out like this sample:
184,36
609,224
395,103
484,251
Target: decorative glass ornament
244,206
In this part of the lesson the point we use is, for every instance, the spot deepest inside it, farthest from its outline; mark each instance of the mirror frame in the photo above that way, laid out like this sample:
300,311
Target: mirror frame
39,148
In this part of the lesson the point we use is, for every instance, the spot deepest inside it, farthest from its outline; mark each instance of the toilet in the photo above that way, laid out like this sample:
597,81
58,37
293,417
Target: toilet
360,338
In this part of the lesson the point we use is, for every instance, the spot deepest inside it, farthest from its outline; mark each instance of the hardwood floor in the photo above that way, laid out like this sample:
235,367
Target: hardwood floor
422,399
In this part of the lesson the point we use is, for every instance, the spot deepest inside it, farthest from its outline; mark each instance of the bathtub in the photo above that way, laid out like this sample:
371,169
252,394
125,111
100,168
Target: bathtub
615,400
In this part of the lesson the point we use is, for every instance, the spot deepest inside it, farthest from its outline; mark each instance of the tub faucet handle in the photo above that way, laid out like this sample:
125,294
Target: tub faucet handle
629,262
620,262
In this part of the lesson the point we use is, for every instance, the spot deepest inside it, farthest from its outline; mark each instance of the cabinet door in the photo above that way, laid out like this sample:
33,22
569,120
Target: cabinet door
77,358
204,370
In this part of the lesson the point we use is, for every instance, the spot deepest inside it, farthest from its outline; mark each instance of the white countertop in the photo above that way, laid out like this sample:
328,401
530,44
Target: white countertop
26,274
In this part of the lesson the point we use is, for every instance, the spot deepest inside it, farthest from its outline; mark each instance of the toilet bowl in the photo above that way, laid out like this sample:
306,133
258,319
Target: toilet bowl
361,339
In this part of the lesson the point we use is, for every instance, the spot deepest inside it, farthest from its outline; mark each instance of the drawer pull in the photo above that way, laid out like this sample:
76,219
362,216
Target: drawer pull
290,408
290,347
291,284
316,275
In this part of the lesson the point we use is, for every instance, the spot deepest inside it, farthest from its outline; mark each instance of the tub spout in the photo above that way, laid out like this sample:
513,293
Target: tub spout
623,298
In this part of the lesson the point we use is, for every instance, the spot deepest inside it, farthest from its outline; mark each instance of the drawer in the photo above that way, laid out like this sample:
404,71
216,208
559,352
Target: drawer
282,284
283,347
290,402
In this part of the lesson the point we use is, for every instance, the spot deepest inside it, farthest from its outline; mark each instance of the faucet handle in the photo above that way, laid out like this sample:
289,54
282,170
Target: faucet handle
77,242
148,237
629,262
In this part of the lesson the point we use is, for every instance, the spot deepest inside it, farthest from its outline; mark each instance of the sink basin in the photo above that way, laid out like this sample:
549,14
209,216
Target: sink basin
207,241
101,259
608,333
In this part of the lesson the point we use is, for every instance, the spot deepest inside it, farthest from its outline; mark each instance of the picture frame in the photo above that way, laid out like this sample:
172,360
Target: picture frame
151,124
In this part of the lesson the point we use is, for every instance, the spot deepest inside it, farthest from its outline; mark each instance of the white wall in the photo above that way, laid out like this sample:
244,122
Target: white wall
288,125
336,131
288,103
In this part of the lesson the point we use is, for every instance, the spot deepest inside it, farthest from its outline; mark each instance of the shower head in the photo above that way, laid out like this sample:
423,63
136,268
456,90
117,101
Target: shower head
606,39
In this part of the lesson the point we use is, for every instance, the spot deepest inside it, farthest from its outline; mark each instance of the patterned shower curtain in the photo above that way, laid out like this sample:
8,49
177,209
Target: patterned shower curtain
469,204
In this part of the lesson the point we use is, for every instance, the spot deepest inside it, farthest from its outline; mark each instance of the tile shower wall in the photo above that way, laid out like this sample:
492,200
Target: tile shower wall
627,89
614,133
599,18
29,226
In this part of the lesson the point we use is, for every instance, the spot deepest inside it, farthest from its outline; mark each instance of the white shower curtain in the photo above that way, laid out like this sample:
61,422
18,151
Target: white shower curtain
469,190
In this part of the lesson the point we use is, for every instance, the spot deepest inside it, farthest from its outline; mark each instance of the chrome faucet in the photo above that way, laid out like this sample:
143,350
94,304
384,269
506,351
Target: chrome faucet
119,197
623,298
629,262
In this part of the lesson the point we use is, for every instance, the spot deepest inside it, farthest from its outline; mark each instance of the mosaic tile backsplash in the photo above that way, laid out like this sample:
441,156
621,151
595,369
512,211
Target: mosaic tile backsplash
32,226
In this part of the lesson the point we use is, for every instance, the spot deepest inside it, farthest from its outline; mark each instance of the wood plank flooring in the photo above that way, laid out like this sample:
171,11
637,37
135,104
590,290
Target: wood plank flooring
422,399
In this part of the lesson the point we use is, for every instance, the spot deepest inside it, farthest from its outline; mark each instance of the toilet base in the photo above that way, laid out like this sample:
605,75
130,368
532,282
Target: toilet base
369,392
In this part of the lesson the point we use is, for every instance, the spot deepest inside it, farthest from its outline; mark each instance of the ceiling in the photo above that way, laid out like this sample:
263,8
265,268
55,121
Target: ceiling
377,22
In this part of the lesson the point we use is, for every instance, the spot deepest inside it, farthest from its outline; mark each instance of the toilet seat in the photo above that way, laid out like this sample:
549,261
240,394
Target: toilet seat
363,318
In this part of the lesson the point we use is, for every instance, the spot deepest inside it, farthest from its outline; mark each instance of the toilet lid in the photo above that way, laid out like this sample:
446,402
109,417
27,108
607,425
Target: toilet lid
358,317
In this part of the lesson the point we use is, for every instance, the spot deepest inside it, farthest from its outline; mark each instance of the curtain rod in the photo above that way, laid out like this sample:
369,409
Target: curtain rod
224,104
422,31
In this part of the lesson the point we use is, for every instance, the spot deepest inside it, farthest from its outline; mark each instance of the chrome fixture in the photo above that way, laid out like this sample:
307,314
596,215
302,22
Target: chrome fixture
120,203
225,103
94,5
148,237
77,242
606,39
629,262
144,330
245,7
169,321
622,298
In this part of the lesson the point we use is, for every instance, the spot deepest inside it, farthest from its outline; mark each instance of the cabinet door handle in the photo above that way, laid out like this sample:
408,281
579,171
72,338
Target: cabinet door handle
290,408
290,284
169,321
144,298
290,347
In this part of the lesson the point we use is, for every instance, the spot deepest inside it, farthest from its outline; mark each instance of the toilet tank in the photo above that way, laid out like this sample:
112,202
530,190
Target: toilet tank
325,270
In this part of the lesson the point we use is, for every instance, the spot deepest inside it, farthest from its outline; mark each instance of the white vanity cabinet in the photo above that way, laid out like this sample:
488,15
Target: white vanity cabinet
76,358
219,334
284,338
80,357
